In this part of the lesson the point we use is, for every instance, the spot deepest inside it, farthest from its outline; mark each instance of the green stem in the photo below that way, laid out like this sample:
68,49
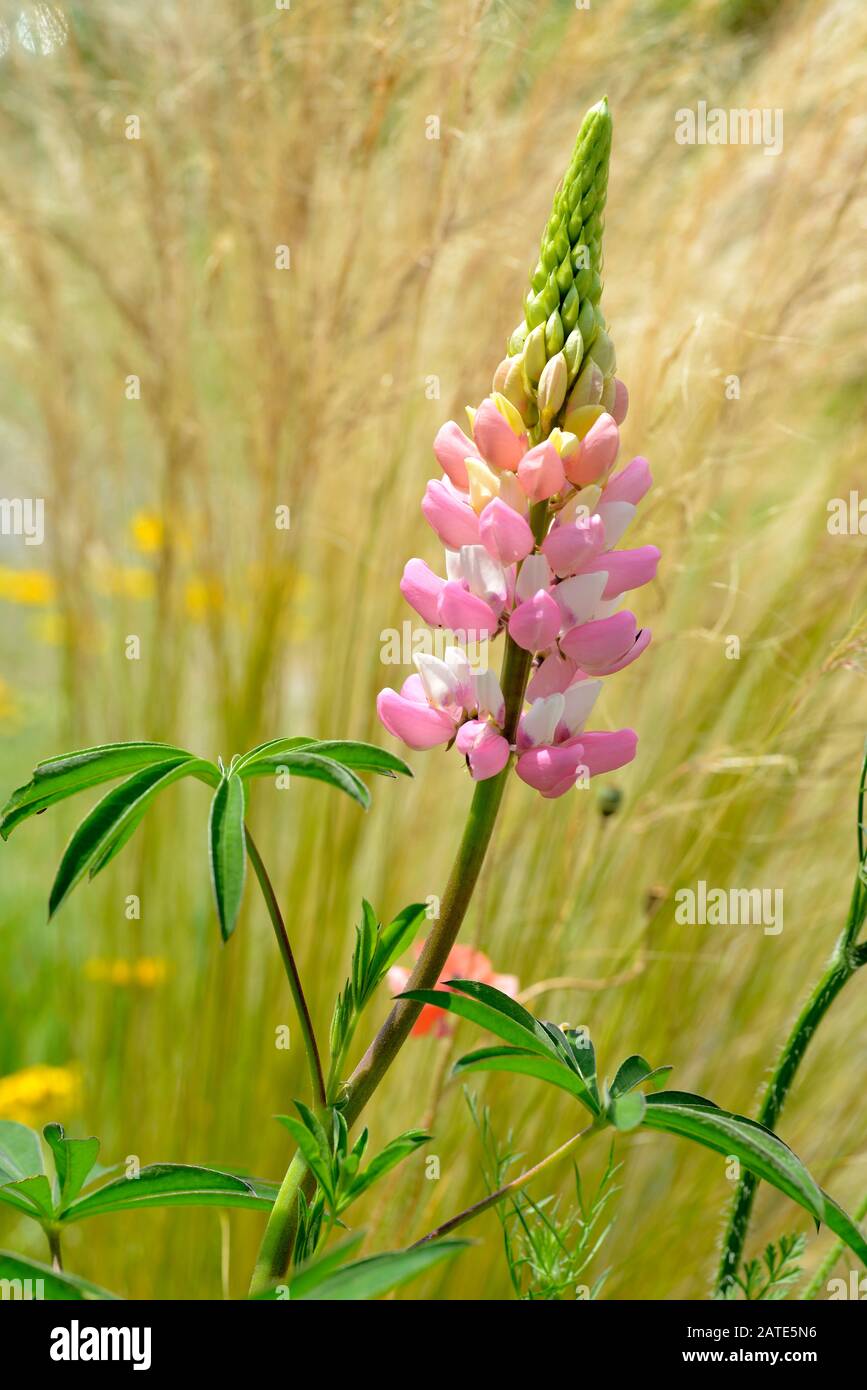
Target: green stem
376,1061
313,1060
847,958
820,1278
53,1235
276,1249
514,1186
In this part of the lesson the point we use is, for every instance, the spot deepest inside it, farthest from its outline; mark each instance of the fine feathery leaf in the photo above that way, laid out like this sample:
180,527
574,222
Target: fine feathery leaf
228,851
56,778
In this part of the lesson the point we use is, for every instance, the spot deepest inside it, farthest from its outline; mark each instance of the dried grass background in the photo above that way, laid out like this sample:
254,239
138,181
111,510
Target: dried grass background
260,387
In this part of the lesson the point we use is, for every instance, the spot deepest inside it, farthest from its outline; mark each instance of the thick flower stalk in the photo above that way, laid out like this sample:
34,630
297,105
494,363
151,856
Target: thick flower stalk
530,508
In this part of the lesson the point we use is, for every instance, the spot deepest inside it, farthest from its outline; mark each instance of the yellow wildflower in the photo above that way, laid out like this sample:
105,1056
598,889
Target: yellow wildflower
33,1093
26,586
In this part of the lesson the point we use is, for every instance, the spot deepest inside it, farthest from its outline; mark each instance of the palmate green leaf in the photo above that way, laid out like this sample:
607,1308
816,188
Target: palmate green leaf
844,1228
73,1161
491,1009
228,851
20,1152
394,1152
172,1185
37,1195
364,756
635,1071
47,1283
759,1150
54,779
398,935
304,763
96,839
379,1274
525,1063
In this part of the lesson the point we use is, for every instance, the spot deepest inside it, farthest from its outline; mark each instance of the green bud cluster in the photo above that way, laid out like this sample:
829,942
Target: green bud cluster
563,321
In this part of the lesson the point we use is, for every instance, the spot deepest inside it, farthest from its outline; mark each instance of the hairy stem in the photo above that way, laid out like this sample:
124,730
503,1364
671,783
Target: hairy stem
514,1186
313,1060
847,958
53,1236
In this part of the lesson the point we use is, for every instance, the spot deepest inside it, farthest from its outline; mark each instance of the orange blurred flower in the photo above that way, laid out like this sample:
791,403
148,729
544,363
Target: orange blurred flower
463,963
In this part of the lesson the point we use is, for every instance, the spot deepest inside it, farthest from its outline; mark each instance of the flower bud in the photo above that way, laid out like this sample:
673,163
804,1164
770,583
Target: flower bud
588,388
552,386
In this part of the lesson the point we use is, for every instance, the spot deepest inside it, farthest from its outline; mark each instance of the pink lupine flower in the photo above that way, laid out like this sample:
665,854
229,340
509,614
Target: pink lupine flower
597,452
558,599
452,449
463,963
450,515
504,533
495,439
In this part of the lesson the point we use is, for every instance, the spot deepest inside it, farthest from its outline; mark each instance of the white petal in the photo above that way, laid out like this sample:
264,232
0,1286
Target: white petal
535,575
580,597
489,696
438,680
579,700
540,722
485,576
454,570
616,516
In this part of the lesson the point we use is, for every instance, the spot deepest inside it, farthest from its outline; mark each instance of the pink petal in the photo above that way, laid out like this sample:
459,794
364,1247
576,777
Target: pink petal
421,588
597,452
626,569
567,547
621,401
540,472
504,533
553,677
451,448
418,725
535,622
641,643
596,646
465,614
603,752
551,771
486,751
495,439
630,484
453,519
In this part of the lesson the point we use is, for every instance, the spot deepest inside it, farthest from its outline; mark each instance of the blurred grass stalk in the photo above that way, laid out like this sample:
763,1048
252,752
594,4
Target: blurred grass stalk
320,388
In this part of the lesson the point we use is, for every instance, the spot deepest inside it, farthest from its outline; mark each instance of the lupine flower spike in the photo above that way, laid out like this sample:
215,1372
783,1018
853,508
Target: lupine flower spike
549,432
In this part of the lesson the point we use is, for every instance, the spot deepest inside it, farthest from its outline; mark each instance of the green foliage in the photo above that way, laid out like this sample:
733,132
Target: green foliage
149,768
46,1283
377,947
327,1279
566,1058
336,1167
773,1277
76,1189
549,1250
